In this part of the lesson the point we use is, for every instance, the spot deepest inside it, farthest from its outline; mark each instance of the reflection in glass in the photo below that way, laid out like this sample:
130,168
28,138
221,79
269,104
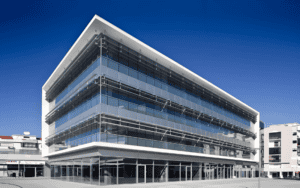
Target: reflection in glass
57,171
160,173
127,173
95,170
173,173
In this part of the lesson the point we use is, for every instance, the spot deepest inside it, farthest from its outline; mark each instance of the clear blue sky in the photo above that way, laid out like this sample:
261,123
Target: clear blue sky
250,49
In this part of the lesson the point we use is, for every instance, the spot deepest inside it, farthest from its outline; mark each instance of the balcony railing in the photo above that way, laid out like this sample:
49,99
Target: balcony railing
52,139
224,153
274,138
128,140
21,152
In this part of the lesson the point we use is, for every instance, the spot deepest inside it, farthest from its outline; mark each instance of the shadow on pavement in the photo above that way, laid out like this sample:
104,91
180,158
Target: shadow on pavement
11,184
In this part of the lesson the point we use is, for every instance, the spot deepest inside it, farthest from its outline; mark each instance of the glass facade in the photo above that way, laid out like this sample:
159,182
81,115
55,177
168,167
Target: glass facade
76,82
151,113
187,99
154,110
150,78
135,104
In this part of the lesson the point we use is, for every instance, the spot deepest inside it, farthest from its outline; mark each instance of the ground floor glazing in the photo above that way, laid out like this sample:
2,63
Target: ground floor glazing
282,174
112,170
21,170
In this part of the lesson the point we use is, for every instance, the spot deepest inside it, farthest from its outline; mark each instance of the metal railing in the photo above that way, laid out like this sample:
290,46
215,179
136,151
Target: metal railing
129,140
273,138
118,67
21,152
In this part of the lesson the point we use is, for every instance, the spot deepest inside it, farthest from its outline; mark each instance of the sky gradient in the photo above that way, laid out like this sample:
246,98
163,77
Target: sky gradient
250,49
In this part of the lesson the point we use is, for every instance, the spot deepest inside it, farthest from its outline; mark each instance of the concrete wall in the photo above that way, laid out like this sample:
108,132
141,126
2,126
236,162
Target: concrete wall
47,170
45,126
257,140
52,128
20,157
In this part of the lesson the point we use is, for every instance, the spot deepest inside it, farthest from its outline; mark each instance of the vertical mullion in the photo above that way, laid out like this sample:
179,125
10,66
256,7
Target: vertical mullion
167,172
117,172
145,175
73,165
81,171
91,170
200,168
191,172
180,171
137,171
100,95
209,172
99,170
153,171
218,171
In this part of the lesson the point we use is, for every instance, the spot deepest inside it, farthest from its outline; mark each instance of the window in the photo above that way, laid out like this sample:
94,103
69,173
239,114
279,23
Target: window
294,150
274,151
277,144
28,145
295,133
275,158
294,141
275,135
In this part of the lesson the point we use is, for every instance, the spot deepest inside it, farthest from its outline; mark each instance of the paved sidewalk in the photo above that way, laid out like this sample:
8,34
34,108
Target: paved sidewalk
227,183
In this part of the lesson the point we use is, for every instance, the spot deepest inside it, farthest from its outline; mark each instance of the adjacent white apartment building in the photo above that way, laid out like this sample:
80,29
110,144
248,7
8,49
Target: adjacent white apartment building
280,150
21,156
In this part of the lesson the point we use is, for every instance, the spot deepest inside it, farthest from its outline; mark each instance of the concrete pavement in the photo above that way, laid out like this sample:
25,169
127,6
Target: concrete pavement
227,183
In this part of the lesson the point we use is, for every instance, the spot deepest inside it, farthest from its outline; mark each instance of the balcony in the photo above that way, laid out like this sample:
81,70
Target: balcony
274,138
161,128
277,145
129,140
21,152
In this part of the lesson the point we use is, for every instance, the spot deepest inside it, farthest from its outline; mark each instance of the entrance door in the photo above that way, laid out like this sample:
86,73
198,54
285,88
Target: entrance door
207,174
142,174
188,173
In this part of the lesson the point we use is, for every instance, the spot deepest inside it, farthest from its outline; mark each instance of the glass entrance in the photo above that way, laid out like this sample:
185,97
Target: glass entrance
77,173
186,173
207,174
142,174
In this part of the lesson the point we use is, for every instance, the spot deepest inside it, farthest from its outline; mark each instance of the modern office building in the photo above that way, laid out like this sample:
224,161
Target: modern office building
21,156
117,111
280,147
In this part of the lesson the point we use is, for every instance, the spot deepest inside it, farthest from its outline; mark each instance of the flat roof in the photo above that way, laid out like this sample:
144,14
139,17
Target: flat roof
6,137
99,25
